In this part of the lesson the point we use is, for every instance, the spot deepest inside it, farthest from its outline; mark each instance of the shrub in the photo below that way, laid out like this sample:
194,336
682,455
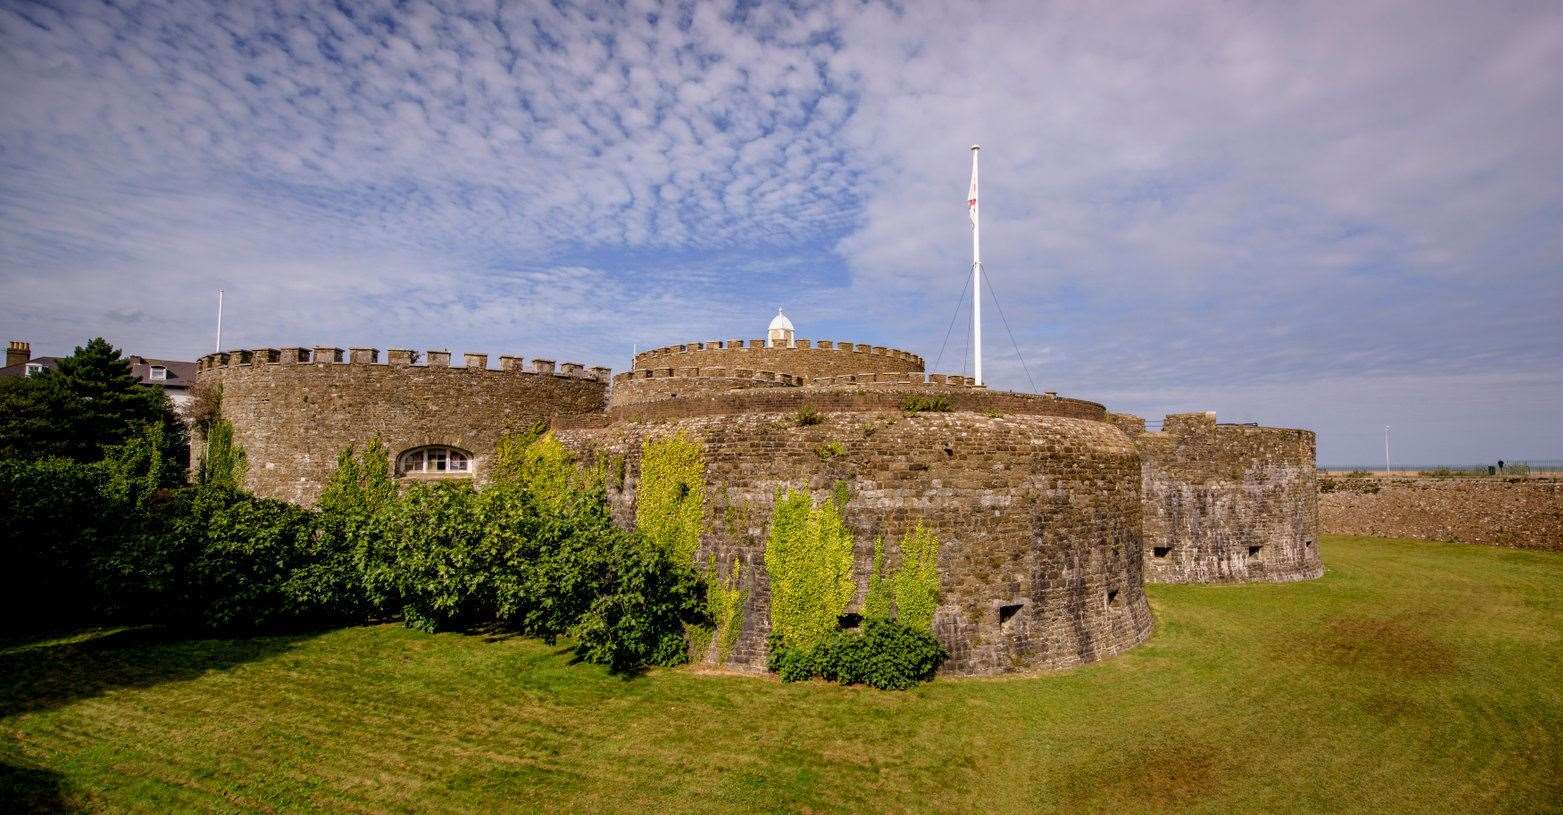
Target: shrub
57,524
133,471
807,416
434,535
547,560
250,572
924,404
830,450
536,462
641,618
345,571
884,654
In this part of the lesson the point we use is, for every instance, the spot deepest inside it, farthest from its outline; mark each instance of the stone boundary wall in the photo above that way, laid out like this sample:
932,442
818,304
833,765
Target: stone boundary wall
293,409
1519,513
807,358
1038,519
1226,503
843,398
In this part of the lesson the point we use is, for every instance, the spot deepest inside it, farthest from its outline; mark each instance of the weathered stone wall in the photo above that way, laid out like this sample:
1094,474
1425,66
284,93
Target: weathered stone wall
806,358
1038,519
293,415
1522,513
657,384
1227,503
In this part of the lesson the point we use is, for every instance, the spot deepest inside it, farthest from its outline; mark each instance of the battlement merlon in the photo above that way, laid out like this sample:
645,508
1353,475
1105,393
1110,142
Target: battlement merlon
395,357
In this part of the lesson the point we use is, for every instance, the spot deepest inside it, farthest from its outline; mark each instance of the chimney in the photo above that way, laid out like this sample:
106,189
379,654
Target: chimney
19,352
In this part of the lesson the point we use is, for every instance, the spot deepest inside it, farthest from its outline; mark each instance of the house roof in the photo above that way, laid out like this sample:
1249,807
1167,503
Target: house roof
20,368
181,374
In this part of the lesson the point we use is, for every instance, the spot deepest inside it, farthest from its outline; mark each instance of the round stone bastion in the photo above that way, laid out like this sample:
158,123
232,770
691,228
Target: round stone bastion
1035,501
293,410
1227,503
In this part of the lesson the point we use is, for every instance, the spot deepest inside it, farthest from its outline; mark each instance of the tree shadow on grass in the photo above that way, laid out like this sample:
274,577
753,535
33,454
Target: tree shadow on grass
28,789
48,673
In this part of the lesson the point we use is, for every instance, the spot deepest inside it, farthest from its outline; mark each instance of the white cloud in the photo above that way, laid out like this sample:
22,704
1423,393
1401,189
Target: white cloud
1201,197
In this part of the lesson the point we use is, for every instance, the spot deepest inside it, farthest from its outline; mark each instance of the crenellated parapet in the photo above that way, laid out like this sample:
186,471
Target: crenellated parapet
808,358
394,358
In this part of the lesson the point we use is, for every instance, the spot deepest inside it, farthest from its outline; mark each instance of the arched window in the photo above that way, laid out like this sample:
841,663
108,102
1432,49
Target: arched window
434,460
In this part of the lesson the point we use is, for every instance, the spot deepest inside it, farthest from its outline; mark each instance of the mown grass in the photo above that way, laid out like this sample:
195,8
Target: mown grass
1414,677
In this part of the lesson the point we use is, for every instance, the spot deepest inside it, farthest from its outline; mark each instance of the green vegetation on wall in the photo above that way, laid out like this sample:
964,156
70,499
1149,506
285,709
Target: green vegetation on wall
809,559
725,602
536,462
926,404
911,593
878,604
225,463
670,500
916,581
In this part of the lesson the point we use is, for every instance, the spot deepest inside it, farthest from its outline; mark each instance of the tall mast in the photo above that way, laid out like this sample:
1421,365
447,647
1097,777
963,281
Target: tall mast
219,321
976,268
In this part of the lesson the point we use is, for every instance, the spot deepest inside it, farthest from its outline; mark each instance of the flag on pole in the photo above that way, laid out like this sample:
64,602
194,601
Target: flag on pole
971,195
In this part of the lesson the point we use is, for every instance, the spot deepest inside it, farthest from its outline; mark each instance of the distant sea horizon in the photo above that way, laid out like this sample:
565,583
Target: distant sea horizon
1548,464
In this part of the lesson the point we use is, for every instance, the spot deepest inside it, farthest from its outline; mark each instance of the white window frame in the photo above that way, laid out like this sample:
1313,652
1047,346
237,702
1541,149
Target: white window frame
157,373
33,369
434,460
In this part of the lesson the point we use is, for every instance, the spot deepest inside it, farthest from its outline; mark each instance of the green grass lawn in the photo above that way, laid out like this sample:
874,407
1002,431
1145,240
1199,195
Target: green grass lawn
1414,676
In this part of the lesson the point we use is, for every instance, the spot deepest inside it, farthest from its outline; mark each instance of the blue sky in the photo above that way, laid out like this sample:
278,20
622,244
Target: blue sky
1334,216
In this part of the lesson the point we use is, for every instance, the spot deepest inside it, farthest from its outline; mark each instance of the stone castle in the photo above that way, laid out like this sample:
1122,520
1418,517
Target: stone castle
1051,512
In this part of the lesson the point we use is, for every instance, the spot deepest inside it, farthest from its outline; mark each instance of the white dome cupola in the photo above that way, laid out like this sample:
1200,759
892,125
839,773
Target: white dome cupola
780,333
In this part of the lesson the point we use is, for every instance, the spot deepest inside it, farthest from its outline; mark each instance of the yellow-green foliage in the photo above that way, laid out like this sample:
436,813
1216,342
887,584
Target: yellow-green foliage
725,602
809,559
670,500
877,605
916,581
913,588
538,462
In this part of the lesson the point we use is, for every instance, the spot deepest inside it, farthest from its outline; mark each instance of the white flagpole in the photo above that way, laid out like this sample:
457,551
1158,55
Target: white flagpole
219,321
976,267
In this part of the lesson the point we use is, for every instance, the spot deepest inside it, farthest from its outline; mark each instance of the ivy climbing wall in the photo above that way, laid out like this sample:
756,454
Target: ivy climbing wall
1037,520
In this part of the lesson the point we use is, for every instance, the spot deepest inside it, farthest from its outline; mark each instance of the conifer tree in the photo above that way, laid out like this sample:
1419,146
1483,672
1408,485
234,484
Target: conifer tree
114,404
